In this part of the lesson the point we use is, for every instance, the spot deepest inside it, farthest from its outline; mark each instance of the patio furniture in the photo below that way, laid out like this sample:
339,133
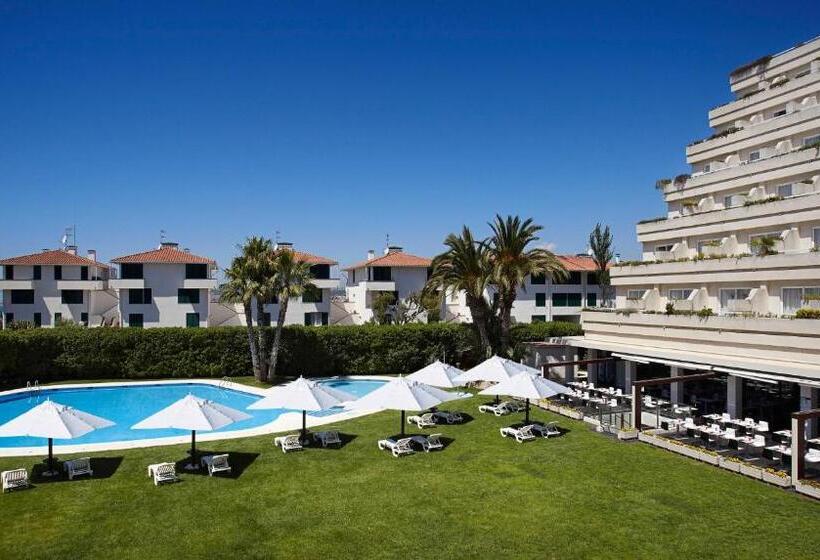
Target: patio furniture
15,479
450,417
546,430
288,443
763,426
215,463
162,472
429,443
77,467
397,447
521,434
424,421
328,438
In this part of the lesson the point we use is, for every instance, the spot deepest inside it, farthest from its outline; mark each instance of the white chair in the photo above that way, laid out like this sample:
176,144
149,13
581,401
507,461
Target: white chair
77,467
162,472
613,403
725,417
429,443
450,417
288,443
500,409
424,421
748,421
546,430
328,438
397,447
520,434
762,426
619,393
215,463
14,479
813,456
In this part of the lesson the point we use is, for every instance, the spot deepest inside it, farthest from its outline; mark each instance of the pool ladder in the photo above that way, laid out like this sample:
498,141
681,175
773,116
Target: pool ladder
33,390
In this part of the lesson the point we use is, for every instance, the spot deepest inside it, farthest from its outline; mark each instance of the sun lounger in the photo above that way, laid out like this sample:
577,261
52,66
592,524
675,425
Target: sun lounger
77,467
429,443
328,438
397,447
288,443
506,407
14,479
546,430
450,417
520,434
215,463
424,421
162,472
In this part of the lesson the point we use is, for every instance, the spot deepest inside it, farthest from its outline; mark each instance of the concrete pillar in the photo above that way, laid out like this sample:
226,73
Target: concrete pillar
798,449
810,399
630,374
676,389
734,396
592,369
569,371
620,374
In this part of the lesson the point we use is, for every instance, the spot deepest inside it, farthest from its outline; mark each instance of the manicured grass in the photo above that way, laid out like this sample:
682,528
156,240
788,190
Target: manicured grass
581,495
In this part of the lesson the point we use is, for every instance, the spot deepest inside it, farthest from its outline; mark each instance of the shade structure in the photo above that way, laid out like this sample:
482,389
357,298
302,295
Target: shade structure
438,374
495,369
302,394
526,386
53,420
404,394
192,413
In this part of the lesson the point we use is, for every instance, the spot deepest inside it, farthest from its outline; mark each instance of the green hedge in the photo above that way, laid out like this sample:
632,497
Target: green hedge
77,353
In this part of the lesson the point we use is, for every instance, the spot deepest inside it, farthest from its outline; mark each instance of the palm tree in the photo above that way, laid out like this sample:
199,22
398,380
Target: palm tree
600,243
465,266
258,253
291,278
512,262
240,288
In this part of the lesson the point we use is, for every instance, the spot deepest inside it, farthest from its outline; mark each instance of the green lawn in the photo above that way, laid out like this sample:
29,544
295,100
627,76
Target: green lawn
581,495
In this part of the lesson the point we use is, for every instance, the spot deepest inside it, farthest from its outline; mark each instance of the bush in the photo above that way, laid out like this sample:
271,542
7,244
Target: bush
807,313
76,353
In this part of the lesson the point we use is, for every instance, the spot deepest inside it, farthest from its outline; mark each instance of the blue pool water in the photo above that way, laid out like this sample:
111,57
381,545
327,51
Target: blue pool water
128,404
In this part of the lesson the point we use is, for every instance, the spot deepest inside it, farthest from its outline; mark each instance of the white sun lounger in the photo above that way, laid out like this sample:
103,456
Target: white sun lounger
14,480
77,467
327,438
288,443
424,421
450,417
429,443
215,463
397,447
520,434
501,409
546,430
162,472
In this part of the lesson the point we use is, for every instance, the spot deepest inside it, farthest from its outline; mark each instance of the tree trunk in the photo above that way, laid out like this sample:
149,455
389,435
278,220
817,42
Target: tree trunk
258,373
263,337
505,320
480,315
277,339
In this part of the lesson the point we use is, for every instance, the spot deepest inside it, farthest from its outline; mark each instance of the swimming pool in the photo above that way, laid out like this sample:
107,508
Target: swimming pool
126,404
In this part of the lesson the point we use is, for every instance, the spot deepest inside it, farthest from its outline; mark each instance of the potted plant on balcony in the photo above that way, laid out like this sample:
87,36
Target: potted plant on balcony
812,301
764,246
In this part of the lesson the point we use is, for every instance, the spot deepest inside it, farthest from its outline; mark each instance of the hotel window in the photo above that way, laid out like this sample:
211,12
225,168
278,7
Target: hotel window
187,295
573,278
707,243
325,318
58,317
707,168
131,271
84,318
381,274
772,235
635,294
312,294
811,140
680,294
83,273
733,294
592,300
264,321
320,271
733,200
9,318
38,319
9,272
663,248
566,300
754,156
540,300
816,237
139,296
784,190
779,113
538,319
793,298
58,272
537,279
38,272
135,320
192,320
196,271
22,297
71,296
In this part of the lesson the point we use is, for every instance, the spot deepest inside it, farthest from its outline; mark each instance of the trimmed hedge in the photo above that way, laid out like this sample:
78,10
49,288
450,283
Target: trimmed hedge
67,354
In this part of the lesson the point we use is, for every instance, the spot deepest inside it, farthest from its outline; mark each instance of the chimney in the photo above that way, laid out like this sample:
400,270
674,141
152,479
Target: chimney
392,249
371,254
168,245
186,250
92,255
617,258
45,250
71,249
284,245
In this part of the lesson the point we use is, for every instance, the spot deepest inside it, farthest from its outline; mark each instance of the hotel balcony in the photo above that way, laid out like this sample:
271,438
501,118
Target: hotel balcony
126,283
379,286
16,284
325,283
199,283
93,285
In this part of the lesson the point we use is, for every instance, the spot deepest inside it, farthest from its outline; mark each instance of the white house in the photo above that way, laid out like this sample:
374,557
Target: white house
57,285
165,287
395,272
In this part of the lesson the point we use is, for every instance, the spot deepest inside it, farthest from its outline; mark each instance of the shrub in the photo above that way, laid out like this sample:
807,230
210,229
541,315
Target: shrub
705,312
78,353
807,313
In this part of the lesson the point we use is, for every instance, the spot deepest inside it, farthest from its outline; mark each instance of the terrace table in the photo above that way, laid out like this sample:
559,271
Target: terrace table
785,434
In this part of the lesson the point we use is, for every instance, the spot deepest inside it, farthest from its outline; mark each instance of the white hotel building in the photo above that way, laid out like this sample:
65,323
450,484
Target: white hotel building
735,297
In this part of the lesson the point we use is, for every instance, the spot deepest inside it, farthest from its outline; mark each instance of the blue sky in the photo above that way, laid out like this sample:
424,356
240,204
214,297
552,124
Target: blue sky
336,123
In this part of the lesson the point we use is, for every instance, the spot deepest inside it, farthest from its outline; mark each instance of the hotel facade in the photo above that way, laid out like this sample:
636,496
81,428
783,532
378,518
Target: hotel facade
727,273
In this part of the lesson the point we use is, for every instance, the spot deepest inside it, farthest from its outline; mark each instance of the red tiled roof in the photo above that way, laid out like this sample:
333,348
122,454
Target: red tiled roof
164,255
313,259
54,257
397,259
575,263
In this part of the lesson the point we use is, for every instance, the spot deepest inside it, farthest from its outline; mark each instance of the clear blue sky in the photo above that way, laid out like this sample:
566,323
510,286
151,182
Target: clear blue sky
338,122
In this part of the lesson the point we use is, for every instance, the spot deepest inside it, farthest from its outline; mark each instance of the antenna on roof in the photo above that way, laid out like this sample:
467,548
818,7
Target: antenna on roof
276,236
162,236
387,240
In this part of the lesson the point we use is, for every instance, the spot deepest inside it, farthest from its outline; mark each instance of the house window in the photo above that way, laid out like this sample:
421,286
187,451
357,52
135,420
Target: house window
135,320
707,168
71,296
538,279
592,278
83,273
382,274
733,200
663,248
353,276
265,321
538,319
22,297
793,298
58,318
9,318
707,243
131,271
635,294
573,278
680,294
9,272
38,272
312,294
811,140
816,237
187,295
754,156
325,318
592,300
192,320
779,113
139,296
308,319
540,300
320,271
58,272
38,319
84,318
566,300
733,294
196,271
784,190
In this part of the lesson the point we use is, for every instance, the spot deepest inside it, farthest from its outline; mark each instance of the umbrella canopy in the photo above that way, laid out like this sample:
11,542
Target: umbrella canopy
438,374
495,369
302,394
526,386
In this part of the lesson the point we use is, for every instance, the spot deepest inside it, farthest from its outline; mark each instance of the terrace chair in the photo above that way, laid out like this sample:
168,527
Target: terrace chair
397,447
619,393
725,417
162,472
424,421
613,403
328,438
450,417
78,467
648,403
215,463
762,426
758,442
288,443
429,443
520,434
546,430
14,480
498,409
813,456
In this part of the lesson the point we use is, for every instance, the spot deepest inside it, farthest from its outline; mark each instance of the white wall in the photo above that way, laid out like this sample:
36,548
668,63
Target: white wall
164,309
